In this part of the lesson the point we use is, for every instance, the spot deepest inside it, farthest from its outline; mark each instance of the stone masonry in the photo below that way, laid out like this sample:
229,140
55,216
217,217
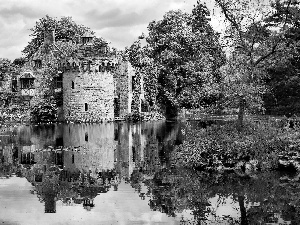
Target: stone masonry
88,96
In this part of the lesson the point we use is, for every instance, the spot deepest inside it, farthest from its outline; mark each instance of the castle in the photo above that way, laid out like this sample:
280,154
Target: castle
93,82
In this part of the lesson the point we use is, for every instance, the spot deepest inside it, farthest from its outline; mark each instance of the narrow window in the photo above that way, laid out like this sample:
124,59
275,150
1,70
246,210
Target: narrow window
58,82
73,159
133,154
85,106
14,86
132,83
86,136
73,85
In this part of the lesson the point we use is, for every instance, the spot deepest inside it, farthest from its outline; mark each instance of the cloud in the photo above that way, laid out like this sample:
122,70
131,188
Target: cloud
15,11
114,18
123,36
118,21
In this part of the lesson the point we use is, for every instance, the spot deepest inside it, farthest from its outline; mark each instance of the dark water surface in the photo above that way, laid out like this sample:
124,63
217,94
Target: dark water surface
120,173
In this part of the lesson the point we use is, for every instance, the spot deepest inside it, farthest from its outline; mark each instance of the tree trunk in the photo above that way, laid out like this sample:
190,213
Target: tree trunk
242,104
244,220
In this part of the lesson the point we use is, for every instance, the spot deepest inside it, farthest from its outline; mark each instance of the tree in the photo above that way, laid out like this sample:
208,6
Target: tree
65,29
185,52
45,111
19,61
6,68
284,76
252,38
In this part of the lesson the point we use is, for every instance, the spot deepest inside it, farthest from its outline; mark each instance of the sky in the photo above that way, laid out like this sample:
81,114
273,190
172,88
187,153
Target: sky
119,22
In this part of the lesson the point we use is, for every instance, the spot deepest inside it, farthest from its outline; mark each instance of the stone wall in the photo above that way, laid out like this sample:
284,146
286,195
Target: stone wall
123,87
94,90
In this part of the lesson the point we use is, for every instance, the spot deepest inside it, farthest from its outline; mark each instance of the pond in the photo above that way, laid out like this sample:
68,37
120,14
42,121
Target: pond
121,173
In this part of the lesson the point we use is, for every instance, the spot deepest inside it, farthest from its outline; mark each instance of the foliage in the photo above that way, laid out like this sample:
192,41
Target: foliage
19,61
13,108
45,111
182,57
283,76
224,144
235,85
251,36
134,117
65,29
5,67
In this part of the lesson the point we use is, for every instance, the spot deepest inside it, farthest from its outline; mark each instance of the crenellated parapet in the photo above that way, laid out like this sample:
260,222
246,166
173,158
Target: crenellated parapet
97,64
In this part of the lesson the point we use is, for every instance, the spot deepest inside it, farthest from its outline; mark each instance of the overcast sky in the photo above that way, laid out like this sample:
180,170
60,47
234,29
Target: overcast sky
119,22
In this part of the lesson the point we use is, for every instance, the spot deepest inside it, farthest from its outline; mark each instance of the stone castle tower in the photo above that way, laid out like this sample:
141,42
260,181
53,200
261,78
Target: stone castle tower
94,82
97,86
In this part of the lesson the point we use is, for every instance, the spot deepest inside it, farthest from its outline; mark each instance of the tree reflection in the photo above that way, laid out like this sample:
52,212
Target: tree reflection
270,197
139,155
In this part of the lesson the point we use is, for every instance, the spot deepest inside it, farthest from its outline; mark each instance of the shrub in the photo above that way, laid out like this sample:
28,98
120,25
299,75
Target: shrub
260,140
44,111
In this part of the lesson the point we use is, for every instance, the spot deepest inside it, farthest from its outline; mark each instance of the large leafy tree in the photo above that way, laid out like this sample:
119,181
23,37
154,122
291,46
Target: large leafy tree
283,81
254,43
65,29
185,52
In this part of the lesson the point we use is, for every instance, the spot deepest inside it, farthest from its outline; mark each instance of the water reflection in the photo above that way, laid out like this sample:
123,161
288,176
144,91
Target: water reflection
89,166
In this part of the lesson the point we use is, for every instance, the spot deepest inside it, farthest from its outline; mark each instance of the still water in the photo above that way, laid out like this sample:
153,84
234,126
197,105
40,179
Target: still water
120,173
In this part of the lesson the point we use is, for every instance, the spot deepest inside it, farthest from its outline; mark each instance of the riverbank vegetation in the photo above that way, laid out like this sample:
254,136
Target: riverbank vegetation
262,145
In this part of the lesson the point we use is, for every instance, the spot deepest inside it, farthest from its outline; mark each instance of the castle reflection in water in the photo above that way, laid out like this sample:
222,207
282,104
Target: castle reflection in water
73,163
